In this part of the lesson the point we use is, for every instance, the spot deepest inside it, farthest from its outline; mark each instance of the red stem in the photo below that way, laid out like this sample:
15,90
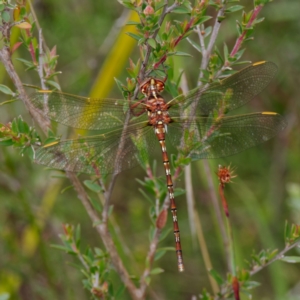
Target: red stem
176,42
31,48
239,41
236,288
224,202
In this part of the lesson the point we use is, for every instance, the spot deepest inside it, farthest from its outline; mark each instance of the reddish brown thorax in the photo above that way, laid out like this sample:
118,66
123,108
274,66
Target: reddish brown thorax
155,104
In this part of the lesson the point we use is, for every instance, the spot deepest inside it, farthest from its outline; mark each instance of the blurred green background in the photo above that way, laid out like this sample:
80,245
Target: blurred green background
265,194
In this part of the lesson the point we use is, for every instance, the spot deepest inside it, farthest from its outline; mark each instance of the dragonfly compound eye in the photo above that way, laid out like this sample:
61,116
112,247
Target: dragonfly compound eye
160,86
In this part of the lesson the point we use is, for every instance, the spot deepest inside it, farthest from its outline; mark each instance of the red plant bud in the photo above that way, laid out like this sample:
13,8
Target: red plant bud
162,219
236,288
149,10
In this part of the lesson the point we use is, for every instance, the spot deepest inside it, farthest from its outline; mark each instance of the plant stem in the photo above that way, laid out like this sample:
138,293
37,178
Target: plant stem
6,61
102,229
230,248
239,41
277,257
217,208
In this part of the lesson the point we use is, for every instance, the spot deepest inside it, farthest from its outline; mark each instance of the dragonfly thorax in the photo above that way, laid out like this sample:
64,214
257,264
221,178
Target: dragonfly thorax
157,111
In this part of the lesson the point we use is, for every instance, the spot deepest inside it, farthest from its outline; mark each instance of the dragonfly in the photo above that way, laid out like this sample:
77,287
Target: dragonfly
196,124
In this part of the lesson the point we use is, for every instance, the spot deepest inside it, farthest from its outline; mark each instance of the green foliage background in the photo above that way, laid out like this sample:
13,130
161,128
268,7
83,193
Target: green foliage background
264,195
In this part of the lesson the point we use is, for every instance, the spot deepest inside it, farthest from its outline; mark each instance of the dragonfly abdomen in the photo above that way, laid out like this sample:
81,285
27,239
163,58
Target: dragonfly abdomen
160,133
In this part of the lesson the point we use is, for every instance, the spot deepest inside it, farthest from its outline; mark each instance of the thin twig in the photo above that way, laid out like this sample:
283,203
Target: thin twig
149,259
172,7
154,242
277,257
200,29
6,60
205,253
41,65
212,41
102,229
217,208
121,145
188,175
153,36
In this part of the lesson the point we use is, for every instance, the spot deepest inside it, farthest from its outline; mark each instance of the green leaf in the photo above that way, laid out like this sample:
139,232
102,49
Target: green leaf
151,232
202,19
93,186
64,248
287,231
66,188
195,45
156,271
179,53
5,16
179,192
234,8
26,62
134,36
259,20
216,276
181,10
152,43
54,84
261,2
250,284
291,259
120,85
6,142
96,204
162,251
8,101
96,223
225,50
23,12
23,126
146,195
128,4
159,254
77,236
164,234
6,90
14,126
50,140
120,292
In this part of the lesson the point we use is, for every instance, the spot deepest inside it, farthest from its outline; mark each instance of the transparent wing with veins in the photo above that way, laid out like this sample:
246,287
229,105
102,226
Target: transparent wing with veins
206,138
243,86
209,134
83,112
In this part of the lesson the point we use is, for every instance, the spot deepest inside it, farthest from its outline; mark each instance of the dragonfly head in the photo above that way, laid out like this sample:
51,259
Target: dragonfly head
152,87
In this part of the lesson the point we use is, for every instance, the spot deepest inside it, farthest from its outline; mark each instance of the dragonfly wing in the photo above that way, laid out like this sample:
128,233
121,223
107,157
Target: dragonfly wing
214,138
227,94
81,112
100,153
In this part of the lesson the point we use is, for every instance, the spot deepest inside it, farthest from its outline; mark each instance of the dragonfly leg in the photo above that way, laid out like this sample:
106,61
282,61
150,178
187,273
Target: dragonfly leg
136,110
